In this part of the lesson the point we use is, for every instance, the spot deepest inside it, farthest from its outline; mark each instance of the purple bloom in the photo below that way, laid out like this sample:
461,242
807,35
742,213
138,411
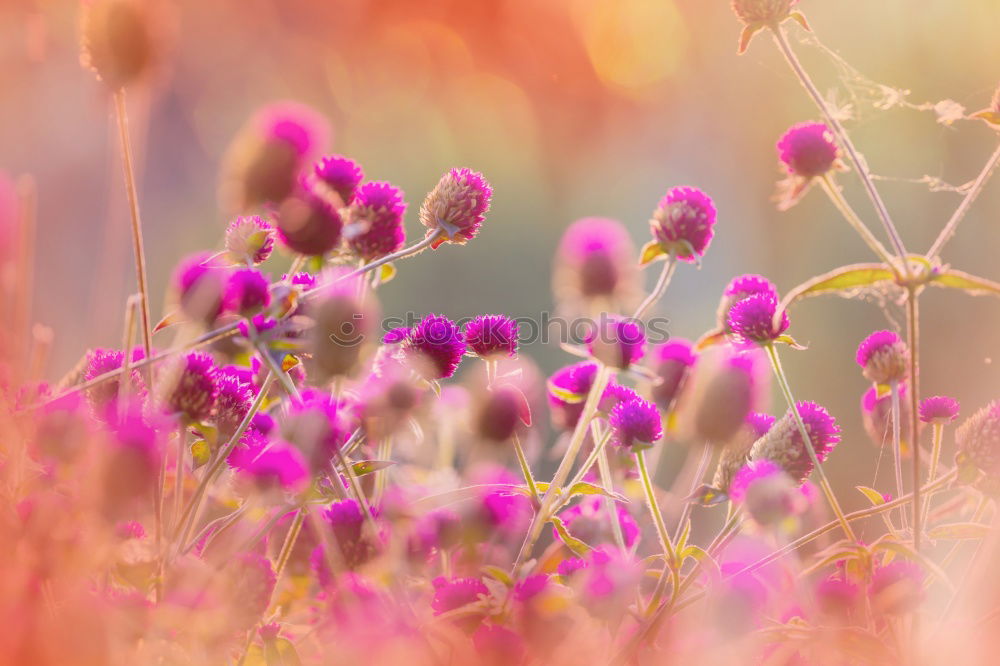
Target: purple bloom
768,493
250,239
305,280
247,292
276,467
199,282
897,588
876,415
671,364
133,459
231,405
752,319
341,174
724,390
938,409
617,342
396,335
570,566
374,222
438,341
588,521
683,223
100,361
808,149
784,446
635,425
837,596
884,357
502,412
347,521
188,386
308,224
614,394
595,259
739,288
318,426
759,423
454,593
574,382
492,336
457,206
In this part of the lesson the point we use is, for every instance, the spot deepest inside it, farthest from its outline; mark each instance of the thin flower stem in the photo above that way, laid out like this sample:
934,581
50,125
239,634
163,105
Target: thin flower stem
290,538
359,494
838,129
669,266
824,483
381,476
913,336
607,480
897,447
704,459
977,187
589,462
526,471
669,554
932,472
179,476
405,252
852,218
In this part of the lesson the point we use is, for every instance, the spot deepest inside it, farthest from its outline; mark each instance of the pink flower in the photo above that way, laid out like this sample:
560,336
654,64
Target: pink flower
635,425
808,149
938,409
374,221
683,223
341,174
456,206
884,357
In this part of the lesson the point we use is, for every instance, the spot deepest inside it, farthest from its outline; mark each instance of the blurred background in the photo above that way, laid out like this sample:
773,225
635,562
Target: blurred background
571,108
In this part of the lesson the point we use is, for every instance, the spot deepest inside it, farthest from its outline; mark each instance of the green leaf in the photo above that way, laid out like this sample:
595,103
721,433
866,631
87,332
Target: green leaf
874,496
843,280
707,495
790,341
201,453
970,284
650,252
583,488
800,18
281,652
498,574
386,272
702,557
574,544
958,531
363,467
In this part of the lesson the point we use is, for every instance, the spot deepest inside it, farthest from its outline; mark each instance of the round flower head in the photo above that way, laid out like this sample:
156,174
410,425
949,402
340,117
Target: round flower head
752,319
567,389
199,282
492,336
503,411
595,261
388,399
765,12
341,174
454,593
231,405
456,206
249,239
344,330
876,415
784,446
739,288
978,438
347,522
837,597
617,342
188,386
104,395
883,357
247,292
635,425
724,390
438,341
808,150
374,222
938,409
671,363
683,223
317,426
278,467
615,393
897,588
735,456
133,459
768,493
117,40
308,224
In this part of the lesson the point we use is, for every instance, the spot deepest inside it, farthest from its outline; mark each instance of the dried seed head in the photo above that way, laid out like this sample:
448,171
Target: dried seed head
763,11
884,357
784,446
978,438
117,40
457,206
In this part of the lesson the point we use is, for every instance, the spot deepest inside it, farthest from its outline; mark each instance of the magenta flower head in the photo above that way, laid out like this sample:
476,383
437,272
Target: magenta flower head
739,288
454,593
492,336
456,207
635,425
269,153
671,363
735,455
683,223
275,468
133,460
502,412
752,319
876,415
437,342
938,409
309,224
725,388
588,521
231,405
617,342
595,262
249,239
187,386
199,282
374,221
768,493
105,395
884,358
808,150
341,174
838,597
784,446
978,439
897,588
567,390
247,292
318,426
346,521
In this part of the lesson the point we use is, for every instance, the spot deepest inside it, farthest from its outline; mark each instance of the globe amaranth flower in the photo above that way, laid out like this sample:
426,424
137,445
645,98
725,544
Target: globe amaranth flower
784,446
437,341
682,224
884,358
725,388
118,40
978,439
456,207
635,425
588,521
318,425
567,390
373,224
897,588
232,404
249,239
738,289
492,336
275,467
452,594
133,459
187,386
671,364
615,393
595,264
308,224
344,329
808,150
340,174
199,282
101,361
502,412
617,342
753,319
247,292
938,409
736,454
769,495
346,521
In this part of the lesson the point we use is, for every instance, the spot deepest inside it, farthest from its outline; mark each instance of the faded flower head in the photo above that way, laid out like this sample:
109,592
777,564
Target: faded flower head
309,224
187,385
199,282
373,225
100,361
492,336
318,425
439,341
249,239
247,292
457,206
978,438
454,593
766,12
502,411
588,521
346,521
784,446
938,409
884,357
595,261
752,319
897,588
117,40
343,331
768,493
876,415
567,389
725,388
635,425
617,342
808,150
683,223
341,174
671,363
231,405
274,467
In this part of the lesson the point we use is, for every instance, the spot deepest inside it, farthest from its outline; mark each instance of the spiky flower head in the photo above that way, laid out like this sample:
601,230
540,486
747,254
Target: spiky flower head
671,362
187,385
768,493
753,319
117,40
249,238
199,283
105,395
373,224
884,357
438,341
615,393
683,223
454,593
897,588
763,11
736,454
340,174
567,389
738,289
309,224
274,467
231,405
808,150
784,446
939,409
978,439
247,292
595,261
635,425
456,206
617,342
492,336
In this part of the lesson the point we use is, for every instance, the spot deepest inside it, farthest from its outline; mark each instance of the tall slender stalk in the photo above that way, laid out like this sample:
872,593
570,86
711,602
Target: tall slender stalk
529,480
669,266
977,187
669,554
932,471
913,338
897,448
852,218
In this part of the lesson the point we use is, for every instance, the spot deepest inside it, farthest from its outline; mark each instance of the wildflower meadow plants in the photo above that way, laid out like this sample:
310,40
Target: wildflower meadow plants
262,475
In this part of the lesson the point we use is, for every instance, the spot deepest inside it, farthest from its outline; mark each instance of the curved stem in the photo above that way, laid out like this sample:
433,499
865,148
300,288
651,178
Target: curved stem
669,266
405,252
522,460
977,187
852,218
607,480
